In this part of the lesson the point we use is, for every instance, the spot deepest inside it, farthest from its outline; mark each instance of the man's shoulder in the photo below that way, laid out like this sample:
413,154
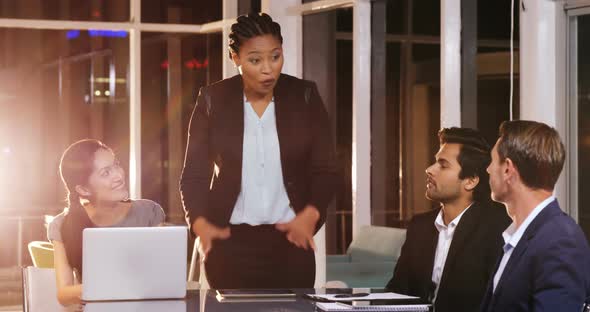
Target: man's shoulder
560,227
495,210
424,218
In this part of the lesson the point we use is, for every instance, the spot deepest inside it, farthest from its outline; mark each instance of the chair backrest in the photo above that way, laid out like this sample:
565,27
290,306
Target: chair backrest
41,254
377,243
197,269
40,291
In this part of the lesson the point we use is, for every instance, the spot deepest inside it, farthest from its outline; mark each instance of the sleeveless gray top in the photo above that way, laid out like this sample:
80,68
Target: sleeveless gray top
143,212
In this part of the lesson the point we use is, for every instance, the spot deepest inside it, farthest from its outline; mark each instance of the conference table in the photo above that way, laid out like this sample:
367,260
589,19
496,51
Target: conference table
205,301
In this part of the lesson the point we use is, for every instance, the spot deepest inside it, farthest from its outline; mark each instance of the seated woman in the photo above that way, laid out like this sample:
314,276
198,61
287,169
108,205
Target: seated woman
97,197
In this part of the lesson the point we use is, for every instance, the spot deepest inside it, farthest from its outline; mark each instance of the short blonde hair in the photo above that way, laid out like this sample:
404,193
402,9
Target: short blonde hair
535,149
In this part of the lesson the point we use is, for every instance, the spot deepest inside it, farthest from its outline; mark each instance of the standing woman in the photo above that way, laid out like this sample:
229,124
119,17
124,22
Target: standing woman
97,197
267,135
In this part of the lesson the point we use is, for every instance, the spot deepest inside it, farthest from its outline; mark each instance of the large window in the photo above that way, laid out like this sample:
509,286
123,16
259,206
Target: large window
412,110
189,11
56,89
493,66
579,95
327,60
583,95
404,100
174,67
58,86
104,10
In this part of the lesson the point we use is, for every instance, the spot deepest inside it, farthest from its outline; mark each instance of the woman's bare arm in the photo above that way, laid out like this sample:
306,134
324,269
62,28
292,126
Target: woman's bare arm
68,290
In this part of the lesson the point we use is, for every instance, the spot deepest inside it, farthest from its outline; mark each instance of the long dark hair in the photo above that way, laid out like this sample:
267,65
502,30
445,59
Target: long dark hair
75,168
249,26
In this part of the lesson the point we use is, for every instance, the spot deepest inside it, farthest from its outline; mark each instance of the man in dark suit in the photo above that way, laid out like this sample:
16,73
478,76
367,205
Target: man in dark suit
449,253
546,260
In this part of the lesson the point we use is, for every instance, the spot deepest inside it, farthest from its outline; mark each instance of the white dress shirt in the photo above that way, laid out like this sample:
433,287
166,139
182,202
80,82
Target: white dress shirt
512,236
263,198
445,237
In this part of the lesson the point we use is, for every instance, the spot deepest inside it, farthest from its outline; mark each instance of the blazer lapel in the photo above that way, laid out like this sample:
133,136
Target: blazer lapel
234,112
430,248
281,99
543,217
487,302
514,258
466,226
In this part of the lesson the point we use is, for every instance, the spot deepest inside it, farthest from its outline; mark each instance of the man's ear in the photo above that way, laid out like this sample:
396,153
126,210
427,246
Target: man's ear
510,172
471,183
83,191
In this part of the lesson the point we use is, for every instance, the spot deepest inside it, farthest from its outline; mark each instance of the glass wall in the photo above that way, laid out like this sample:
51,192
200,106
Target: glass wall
57,90
174,67
581,67
95,10
189,11
60,86
412,110
405,124
54,90
327,60
493,62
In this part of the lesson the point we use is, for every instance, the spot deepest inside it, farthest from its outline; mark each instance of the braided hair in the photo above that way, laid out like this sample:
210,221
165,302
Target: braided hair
75,168
249,26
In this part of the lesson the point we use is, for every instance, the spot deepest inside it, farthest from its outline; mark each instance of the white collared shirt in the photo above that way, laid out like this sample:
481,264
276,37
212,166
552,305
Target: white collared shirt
445,237
512,236
263,198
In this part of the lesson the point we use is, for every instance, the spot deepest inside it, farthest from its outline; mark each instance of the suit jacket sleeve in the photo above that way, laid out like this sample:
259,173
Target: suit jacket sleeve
323,171
559,276
198,163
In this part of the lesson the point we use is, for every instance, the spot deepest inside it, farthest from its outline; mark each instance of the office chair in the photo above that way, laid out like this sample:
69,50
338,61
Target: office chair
41,254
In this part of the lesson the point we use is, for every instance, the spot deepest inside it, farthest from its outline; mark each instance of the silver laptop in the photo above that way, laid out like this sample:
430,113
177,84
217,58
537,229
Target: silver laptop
143,306
134,263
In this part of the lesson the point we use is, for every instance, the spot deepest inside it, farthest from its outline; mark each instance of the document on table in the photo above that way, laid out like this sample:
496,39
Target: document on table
335,306
369,297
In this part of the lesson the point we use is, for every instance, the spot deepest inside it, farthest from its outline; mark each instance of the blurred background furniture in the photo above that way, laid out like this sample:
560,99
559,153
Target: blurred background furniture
369,260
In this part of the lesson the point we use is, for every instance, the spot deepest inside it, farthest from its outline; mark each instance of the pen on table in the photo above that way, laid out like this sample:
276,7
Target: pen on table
351,295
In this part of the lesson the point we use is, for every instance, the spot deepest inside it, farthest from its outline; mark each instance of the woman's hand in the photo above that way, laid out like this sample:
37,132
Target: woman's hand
207,233
301,229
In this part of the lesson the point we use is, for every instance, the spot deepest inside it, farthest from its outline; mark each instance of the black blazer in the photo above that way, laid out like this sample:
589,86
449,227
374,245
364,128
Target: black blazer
476,245
216,132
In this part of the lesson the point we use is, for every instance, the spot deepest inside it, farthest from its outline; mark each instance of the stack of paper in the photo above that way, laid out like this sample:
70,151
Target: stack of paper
367,297
391,302
335,306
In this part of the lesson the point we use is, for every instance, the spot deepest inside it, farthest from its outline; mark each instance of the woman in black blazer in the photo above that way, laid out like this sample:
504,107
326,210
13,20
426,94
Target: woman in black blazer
260,167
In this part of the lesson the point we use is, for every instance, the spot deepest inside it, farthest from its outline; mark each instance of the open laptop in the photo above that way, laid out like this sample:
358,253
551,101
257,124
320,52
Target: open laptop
134,263
143,306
